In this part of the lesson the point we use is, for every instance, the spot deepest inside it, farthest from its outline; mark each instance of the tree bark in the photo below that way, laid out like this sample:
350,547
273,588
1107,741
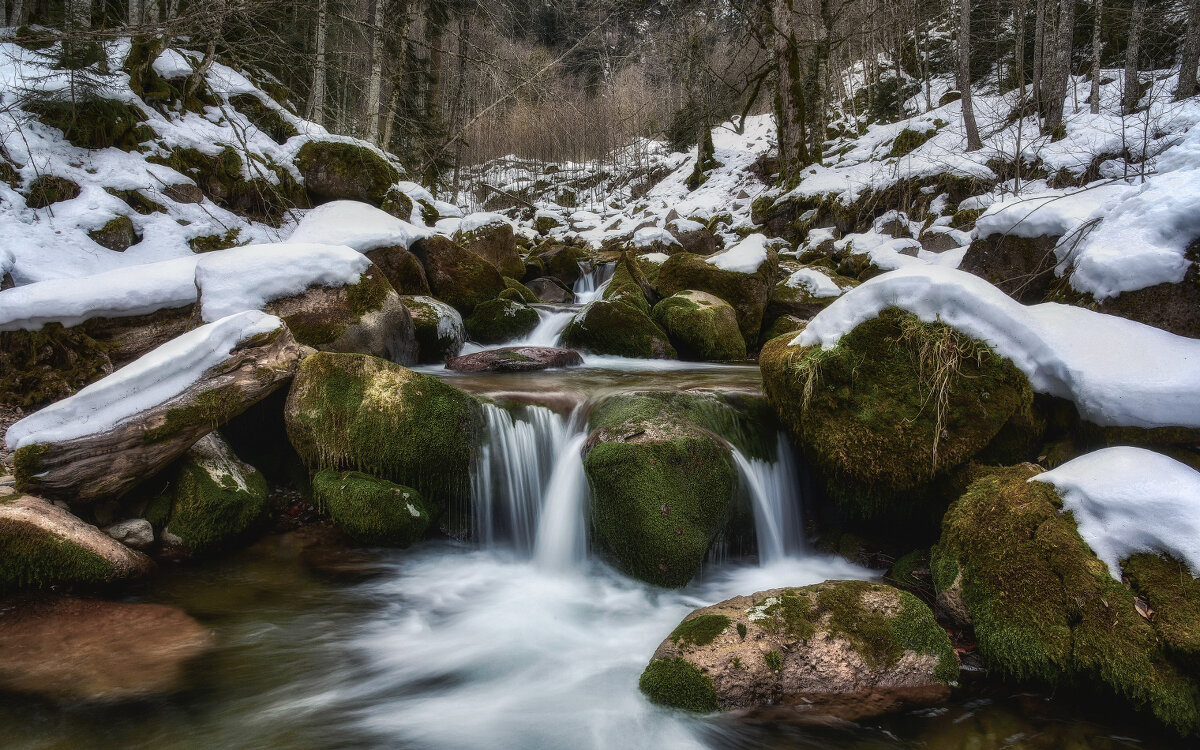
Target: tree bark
1039,53
1055,90
1094,96
137,12
399,69
316,97
790,115
1133,89
375,82
1189,54
964,77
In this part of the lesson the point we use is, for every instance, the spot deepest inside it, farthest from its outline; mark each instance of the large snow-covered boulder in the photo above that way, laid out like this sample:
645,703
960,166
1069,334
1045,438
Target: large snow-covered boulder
345,169
46,546
491,236
846,649
122,429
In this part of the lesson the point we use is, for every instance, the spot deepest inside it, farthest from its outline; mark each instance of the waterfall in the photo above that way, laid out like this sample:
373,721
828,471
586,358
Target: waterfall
592,283
562,533
548,331
774,491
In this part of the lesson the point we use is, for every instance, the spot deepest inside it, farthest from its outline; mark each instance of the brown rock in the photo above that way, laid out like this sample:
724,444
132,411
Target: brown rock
550,289
516,359
497,244
1021,267
402,269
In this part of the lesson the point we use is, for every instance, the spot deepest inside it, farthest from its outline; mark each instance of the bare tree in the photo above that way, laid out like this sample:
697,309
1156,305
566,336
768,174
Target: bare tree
375,82
316,97
1055,88
964,77
1094,96
1189,54
1133,89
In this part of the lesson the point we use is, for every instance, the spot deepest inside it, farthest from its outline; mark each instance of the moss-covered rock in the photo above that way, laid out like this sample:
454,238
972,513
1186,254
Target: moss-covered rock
371,510
118,234
49,364
1045,609
562,261
457,276
518,292
264,117
216,499
349,411
747,293
500,320
334,170
439,329
661,485
802,298
896,404
268,195
496,243
701,326
617,328
818,646
783,324
94,124
402,269
49,189
910,140
43,546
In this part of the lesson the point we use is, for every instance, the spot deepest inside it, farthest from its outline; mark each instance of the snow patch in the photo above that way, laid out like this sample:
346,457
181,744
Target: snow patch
746,256
815,283
357,225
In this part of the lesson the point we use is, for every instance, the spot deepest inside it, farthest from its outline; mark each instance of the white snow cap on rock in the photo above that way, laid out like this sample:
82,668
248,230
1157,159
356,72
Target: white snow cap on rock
172,64
247,278
1131,500
814,282
746,256
1118,372
156,378
647,236
358,225
475,222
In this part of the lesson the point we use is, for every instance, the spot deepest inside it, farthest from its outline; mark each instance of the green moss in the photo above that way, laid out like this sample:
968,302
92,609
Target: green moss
774,660
746,293
349,411
500,320
220,177
213,242
701,327
1045,609
520,292
398,204
617,328
210,509
623,287
138,202
435,342
910,140
49,364
266,119
699,631
48,189
895,405
35,558
94,124
345,171
211,408
371,510
1168,588
458,276
677,683
965,218
117,234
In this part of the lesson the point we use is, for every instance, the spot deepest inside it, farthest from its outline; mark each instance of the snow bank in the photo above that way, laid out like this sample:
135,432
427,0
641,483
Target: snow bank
817,284
648,236
1054,213
1118,372
171,64
746,256
357,225
136,290
475,222
1130,500
247,278
154,379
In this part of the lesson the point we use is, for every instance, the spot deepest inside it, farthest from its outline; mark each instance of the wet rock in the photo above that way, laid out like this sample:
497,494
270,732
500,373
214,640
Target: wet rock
345,171
551,290
516,359
617,328
748,293
73,650
701,326
136,533
44,545
499,320
496,243
853,649
440,330
371,510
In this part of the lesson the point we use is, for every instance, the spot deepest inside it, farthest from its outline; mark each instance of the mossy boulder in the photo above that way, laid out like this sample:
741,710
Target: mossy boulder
216,500
439,329
562,261
44,546
348,411
457,276
402,269
267,196
803,294
895,405
518,292
617,328
662,485
910,140
335,170
500,320
846,649
94,124
371,510
264,117
783,324
701,326
628,284
118,234
748,293
497,243
1046,610
49,189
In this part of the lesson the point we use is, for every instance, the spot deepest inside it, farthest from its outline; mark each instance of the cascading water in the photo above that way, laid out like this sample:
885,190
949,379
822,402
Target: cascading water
775,496
592,283
553,321
562,533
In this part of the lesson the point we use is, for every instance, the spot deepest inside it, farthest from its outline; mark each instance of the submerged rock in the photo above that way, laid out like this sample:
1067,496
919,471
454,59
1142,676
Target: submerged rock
516,359
1045,609
617,328
371,510
701,326
349,411
73,650
440,331
850,649
43,545
894,405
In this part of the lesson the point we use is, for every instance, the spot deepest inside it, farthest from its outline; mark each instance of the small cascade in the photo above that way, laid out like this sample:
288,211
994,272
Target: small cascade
553,321
591,283
774,491
515,462
562,533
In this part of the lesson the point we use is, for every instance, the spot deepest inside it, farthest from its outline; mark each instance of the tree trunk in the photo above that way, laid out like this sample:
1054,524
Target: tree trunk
316,98
137,12
1189,54
964,78
1039,53
1133,88
399,69
375,82
1094,97
1056,87
789,98
435,30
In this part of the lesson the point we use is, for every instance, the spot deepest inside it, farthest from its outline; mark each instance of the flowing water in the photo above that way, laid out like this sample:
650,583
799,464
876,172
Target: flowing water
519,638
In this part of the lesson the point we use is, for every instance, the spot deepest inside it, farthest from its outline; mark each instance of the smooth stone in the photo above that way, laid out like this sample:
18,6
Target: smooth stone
516,359
134,532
